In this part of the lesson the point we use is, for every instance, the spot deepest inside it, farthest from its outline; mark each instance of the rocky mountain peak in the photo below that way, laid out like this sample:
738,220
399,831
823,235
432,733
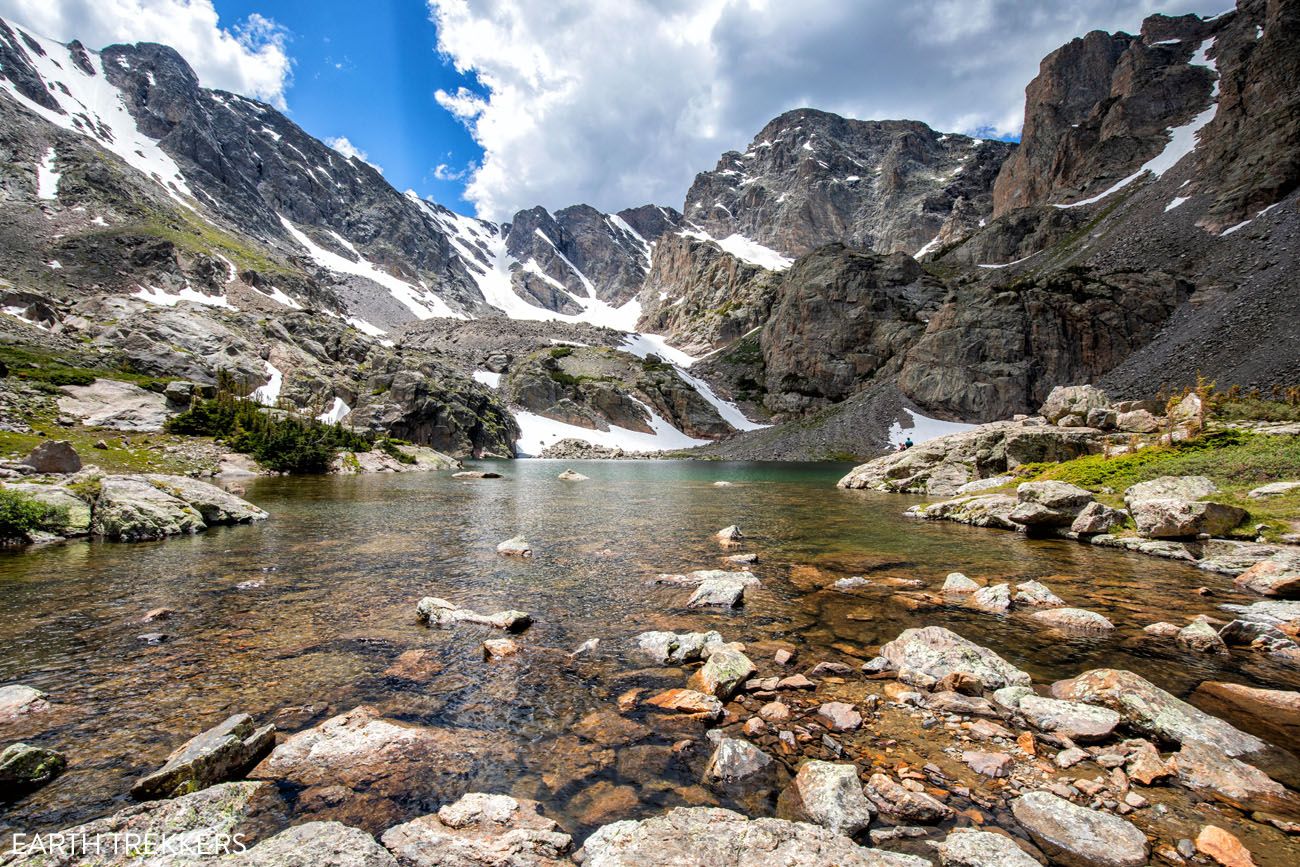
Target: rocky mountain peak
811,177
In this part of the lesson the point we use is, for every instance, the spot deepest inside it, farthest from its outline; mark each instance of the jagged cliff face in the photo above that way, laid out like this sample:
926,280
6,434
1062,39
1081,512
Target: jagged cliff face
811,178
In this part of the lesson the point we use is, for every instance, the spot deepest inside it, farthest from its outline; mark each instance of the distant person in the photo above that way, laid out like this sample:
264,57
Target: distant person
905,445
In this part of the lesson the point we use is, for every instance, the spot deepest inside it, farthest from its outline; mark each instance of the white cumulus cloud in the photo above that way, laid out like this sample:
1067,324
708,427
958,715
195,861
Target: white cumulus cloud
348,149
248,57
621,103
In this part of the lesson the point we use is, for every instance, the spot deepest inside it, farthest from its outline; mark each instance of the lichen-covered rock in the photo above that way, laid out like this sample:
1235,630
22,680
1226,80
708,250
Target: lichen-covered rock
924,656
54,456
1097,518
1170,487
665,647
1078,400
215,505
1036,593
140,508
316,844
690,836
74,510
222,753
723,673
970,847
735,760
895,800
1204,766
1073,620
1154,712
1075,720
24,767
481,831
956,582
1277,576
1077,836
1176,519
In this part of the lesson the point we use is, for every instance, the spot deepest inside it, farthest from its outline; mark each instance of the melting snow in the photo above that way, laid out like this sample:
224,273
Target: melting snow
268,394
488,378
336,413
1178,200
930,245
1182,141
922,428
47,179
365,327
280,297
745,249
537,432
419,300
93,107
642,345
154,295
54,264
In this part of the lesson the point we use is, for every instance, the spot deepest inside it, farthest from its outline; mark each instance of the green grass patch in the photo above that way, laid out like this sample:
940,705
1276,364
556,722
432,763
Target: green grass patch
21,514
48,370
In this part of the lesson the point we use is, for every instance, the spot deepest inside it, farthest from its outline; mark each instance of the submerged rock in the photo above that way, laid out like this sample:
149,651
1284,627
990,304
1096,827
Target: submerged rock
222,753
515,547
1073,620
1037,594
476,474
24,767
924,656
691,836
480,829
1154,712
18,700
993,599
1077,836
572,476
729,534
720,592
839,716
829,795
956,582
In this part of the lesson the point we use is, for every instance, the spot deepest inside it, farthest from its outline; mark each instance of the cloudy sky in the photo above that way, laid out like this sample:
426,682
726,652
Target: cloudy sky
495,105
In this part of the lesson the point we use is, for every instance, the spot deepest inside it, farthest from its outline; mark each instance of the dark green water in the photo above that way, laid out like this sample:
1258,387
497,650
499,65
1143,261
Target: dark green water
343,560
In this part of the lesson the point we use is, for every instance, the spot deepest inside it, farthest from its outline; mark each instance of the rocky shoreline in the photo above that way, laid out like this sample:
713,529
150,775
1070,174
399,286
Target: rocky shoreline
935,750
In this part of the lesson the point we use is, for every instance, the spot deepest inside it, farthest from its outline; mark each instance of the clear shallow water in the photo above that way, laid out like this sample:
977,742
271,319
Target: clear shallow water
344,559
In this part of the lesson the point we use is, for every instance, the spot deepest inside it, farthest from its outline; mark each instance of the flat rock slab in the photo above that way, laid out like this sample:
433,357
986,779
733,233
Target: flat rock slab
222,753
894,800
1154,712
687,701
717,592
1073,620
17,700
1205,766
1271,713
115,405
691,836
922,657
437,611
1075,720
320,844
1077,836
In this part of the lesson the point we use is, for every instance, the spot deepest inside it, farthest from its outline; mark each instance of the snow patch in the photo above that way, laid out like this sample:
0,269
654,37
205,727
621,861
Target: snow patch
1182,141
269,394
154,295
423,303
365,327
1178,200
488,378
336,413
537,432
929,246
642,345
921,428
47,179
279,297
745,250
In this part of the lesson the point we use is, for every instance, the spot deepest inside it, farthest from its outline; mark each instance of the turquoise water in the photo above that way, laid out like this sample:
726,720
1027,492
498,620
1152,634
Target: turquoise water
339,566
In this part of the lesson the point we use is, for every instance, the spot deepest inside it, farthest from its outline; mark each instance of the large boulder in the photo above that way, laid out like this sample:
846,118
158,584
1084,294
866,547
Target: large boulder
109,403
173,826
1206,767
75,511
1076,836
222,753
375,763
923,657
737,761
1049,504
1075,720
481,831
829,795
54,456
1066,401
690,836
987,510
1272,713
1097,518
970,847
893,799
131,509
1277,576
1154,712
215,505
1177,519
1170,488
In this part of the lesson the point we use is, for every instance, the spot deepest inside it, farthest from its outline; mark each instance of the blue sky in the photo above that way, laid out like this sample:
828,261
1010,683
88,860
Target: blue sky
612,103
371,78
